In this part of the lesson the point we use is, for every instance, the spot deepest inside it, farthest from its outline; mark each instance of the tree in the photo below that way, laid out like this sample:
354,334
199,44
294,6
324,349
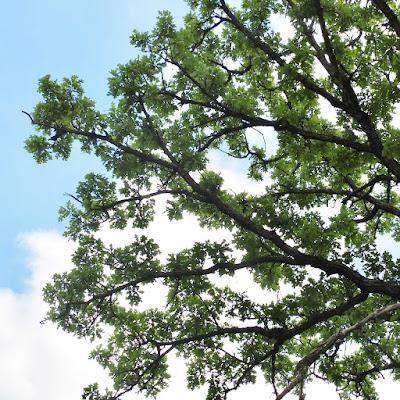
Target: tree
207,86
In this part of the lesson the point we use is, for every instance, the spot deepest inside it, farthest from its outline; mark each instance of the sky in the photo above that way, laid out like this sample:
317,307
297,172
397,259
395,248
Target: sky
87,38
37,37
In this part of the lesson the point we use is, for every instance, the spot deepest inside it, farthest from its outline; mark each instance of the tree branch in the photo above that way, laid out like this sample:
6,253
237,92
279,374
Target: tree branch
304,364
389,14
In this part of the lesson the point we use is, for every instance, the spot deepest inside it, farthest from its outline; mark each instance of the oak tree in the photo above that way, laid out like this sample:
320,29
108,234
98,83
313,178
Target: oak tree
321,79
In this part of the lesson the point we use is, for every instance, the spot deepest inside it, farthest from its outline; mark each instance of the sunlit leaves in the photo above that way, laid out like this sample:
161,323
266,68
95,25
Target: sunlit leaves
229,82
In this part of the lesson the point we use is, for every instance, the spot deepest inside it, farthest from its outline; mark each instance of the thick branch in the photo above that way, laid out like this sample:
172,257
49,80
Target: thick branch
280,125
323,347
228,267
212,198
348,104
283,335
379,204
389,14
360,376
274,56
279,334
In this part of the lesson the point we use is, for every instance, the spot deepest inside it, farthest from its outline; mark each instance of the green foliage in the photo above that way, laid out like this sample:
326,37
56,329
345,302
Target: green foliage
228,82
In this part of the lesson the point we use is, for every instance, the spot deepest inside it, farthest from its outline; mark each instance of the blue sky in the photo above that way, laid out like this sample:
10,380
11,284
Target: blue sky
87,38
64,37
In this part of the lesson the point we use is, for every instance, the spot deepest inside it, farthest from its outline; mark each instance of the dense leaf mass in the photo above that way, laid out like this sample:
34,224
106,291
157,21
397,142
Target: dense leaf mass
321,79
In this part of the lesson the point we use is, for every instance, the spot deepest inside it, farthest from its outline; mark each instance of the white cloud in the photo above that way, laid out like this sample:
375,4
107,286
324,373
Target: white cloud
282,25
40,362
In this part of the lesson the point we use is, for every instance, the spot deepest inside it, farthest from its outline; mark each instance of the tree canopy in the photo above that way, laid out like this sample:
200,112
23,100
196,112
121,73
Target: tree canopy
326,94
